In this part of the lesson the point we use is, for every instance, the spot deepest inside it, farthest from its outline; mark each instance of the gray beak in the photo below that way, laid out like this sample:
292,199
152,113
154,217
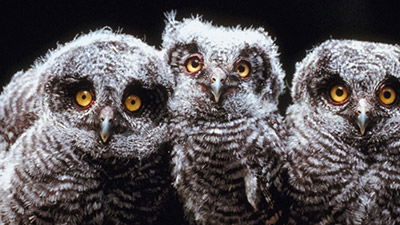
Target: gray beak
106,117
217,84
362,118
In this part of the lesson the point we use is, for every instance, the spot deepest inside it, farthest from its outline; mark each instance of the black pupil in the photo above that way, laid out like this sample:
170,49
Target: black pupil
387,94
83,97
133,102
241,69
339,92
195,63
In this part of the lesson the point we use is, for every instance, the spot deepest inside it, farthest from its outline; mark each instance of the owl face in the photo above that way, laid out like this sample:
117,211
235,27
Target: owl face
354,86
221,71
108,90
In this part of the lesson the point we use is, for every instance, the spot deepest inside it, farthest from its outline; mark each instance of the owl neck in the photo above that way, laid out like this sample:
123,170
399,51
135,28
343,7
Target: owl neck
183,126
212,118
217,115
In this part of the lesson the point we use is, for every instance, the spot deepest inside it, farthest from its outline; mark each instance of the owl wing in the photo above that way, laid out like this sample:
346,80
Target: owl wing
44,180
18,106
19,103
264,158
273,176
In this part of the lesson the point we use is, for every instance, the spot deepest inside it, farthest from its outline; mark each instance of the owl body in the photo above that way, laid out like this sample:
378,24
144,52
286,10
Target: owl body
342,135
96,153
224,120
217,187
70,187
379,202
324,172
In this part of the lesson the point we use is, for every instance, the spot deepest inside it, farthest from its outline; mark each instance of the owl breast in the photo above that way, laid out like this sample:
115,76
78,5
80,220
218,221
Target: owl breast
324,174
135,191
211,177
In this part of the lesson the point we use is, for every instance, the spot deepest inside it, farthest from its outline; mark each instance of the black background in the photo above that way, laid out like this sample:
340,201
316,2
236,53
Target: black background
28,29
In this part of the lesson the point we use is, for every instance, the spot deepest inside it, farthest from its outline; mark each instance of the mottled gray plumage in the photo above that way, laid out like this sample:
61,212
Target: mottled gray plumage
344,166
226,127
18,109
98,164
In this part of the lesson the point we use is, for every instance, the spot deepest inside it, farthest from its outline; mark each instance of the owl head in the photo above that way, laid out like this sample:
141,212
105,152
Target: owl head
108,92
220,71
350,89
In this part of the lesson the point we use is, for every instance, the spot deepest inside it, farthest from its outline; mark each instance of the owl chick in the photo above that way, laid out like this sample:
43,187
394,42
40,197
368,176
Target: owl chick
343,135
95,153
224,120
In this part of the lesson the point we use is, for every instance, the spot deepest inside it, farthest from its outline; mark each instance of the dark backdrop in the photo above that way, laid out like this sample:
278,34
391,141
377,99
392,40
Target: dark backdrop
28,29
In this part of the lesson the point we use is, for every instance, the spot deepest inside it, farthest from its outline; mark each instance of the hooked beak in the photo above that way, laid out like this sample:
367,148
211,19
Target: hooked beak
362,118
106,117
217,84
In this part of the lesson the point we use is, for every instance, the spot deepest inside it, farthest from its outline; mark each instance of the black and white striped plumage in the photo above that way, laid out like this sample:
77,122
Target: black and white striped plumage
18,110
344,166
223,123
82,161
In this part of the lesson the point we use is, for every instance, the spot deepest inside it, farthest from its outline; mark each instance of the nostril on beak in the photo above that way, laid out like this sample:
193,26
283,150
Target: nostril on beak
216,78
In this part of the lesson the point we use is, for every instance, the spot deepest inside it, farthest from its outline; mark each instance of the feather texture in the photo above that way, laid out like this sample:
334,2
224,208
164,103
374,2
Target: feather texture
59,168
342,166
223,123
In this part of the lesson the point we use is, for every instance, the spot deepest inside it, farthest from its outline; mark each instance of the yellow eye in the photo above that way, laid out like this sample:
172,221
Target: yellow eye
133,103
194,64
339,94
387,95
84,98
243,68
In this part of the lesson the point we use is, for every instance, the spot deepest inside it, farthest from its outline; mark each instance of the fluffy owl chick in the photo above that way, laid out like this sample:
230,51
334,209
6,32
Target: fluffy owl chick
224,120
95,153
343,135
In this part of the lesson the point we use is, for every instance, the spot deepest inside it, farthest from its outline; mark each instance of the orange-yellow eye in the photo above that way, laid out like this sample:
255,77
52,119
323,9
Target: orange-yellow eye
133,103
84,98
194,64
339,94
387,95
243,68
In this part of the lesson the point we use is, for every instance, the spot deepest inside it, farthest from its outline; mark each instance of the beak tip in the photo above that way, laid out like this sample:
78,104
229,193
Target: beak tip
216,99
104,138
